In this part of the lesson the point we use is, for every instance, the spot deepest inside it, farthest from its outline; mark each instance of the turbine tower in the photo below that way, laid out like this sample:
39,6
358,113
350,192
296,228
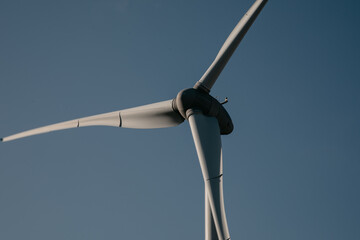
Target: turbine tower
207,117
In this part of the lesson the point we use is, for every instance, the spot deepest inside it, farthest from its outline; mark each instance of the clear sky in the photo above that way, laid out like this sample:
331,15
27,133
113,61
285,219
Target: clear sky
291,166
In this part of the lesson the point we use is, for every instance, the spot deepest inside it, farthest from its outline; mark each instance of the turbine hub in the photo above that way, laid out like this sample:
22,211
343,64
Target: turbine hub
199,100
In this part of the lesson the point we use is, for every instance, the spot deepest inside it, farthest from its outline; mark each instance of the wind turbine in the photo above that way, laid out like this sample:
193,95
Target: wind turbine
207,118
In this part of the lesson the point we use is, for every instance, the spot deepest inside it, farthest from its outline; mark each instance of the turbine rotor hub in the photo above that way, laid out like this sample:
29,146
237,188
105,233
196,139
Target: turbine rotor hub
196,99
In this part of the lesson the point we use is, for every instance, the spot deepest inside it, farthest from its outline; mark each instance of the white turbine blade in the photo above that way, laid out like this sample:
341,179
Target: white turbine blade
156,115
206,134
210,76
210,229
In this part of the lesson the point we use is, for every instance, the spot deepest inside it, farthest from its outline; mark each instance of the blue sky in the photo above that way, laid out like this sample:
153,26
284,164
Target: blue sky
291,166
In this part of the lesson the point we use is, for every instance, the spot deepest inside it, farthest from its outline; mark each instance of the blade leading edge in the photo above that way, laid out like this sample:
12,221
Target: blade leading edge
156,115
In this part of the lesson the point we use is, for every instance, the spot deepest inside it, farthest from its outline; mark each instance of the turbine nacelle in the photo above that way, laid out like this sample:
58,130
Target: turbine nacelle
191,99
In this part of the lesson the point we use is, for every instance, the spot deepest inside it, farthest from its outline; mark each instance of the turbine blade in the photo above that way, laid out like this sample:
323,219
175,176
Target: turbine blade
156,115
206,133
210,229
210,76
